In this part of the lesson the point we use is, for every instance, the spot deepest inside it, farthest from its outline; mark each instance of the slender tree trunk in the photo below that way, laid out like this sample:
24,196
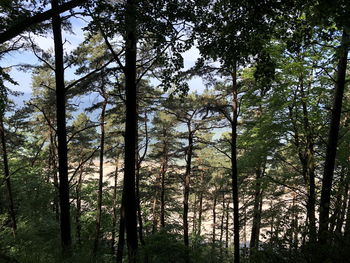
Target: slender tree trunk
256,211
11,206
138,204
347,220
214,222
130,131
53,168
114,221
155,201
194,218
61,135
162,191
331,151
121,237
187,185
309,170
222,225
234,172
100,180
227,225
340,220
295,231
338,203
78,200
200,209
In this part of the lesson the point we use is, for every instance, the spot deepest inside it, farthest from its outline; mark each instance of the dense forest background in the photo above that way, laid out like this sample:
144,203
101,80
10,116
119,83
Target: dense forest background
124,151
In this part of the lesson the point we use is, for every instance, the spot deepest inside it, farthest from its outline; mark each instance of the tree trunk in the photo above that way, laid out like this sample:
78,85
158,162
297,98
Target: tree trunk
100,180
61,135
194,218
121,237
53,169
186,190
11,206
214,222
78,200
340,220
347,220
155,201
162,191
308,162
138,204
130,130
222,225
234,172
256,211
331,151
227,225
200,209
338,203
187,184
114,220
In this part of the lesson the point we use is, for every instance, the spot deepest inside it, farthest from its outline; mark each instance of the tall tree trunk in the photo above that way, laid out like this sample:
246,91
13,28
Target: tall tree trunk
294,237
162,191
340,220
214,222
338,202
61,134
53,169
78,200
121,237
309,170
194,218
227,225
11,206
222,225
234,172
155,201
347,220
331,151
200,209
254,238
100,179
130,130
187,184
114,220
138,204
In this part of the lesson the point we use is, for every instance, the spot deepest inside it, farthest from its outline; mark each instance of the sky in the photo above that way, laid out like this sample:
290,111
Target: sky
72,41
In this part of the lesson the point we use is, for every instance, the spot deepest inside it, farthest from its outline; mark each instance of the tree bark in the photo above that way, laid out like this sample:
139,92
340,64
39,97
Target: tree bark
187,184
11,206
130,130
61,134
222,225
340,220
234,172
331,151
121,237
53,169
308,162
254,238
200,208
162,191
138,204
100,180
114,220
214,223
78,201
